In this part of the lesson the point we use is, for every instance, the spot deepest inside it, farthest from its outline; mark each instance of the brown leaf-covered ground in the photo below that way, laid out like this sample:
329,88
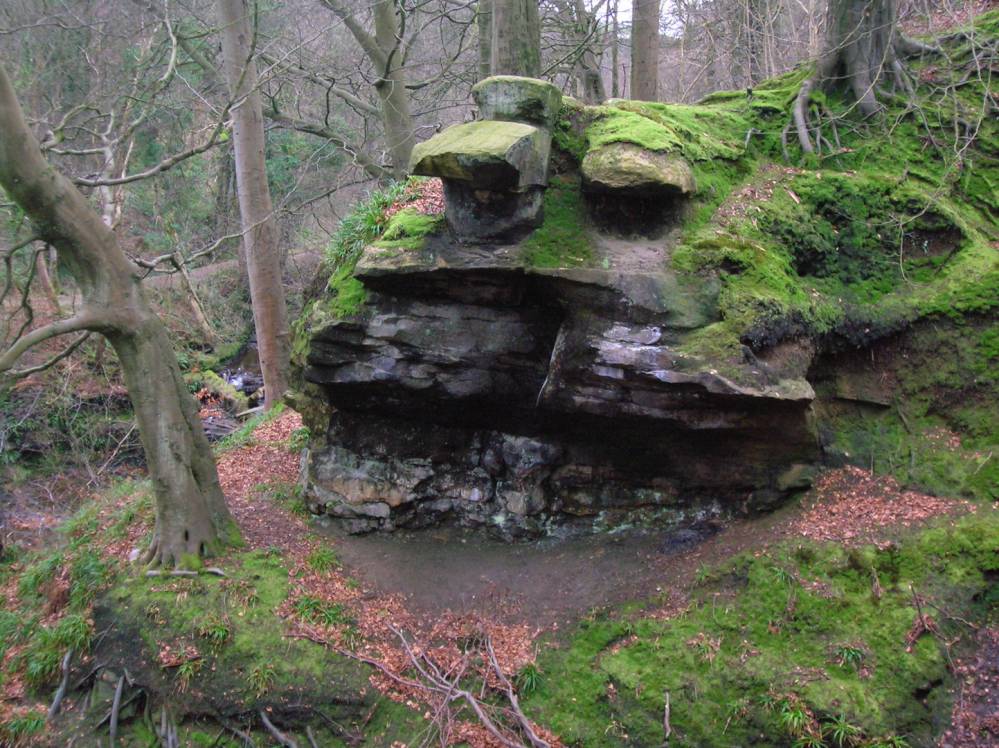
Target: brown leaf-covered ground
975,717
851,506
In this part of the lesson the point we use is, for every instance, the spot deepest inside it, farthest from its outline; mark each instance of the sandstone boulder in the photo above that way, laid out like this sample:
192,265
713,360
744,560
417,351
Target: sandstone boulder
629,168
515,99
494,156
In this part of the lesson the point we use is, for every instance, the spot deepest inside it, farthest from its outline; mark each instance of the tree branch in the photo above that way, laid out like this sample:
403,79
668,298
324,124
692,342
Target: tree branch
83,321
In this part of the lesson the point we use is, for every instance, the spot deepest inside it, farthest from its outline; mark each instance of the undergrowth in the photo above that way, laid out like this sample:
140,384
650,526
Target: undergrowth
791,645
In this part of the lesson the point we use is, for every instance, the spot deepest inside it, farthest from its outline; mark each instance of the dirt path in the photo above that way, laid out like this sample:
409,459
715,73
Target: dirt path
546,583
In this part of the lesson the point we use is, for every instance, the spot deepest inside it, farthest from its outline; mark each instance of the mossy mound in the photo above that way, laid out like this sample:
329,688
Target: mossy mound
239,658
774,641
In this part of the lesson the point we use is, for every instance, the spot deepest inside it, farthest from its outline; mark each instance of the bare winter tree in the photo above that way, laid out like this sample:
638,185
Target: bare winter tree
260,238
191,515
864,51
645,50
580,36
385,50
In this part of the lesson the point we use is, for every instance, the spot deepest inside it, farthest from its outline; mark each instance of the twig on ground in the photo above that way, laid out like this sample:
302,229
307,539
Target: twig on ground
667,728
279,736
60,693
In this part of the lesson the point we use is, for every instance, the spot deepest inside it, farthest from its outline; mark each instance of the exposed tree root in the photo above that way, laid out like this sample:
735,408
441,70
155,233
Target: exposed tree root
865,49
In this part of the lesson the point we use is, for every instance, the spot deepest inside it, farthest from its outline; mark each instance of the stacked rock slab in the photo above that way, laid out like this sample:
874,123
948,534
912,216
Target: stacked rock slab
495,170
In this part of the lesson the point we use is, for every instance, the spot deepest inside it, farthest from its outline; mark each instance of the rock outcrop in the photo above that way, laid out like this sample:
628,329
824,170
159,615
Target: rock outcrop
495,170
619,322
477,390
633,170
476,386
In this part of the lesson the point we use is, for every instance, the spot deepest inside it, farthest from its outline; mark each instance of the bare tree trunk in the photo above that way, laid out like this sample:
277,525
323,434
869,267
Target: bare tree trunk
260,238
484,24
645,50
400,135
615,53
193,301
589,62
386,51
516,48
191,515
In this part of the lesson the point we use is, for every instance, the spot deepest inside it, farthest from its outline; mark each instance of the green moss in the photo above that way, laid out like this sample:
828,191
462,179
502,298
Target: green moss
568,134
459,151
342,295
699,132
943,432
561,240
408,229
755,634
346,294
255,586
216,385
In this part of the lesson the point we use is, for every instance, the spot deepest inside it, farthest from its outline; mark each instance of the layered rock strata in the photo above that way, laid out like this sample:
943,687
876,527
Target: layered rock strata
476,391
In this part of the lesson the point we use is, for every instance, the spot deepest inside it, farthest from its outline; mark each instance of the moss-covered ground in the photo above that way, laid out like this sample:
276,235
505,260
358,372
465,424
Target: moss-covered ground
794,645
895,224
212,649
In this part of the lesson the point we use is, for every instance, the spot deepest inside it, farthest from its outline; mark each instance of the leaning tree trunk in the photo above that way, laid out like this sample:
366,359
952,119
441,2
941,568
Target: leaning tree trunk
645,50
260,237
191,515
863,52
516,47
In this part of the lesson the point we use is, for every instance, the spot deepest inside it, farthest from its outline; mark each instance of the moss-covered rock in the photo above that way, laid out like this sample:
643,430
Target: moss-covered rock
891,231
517,99
486,155
631,169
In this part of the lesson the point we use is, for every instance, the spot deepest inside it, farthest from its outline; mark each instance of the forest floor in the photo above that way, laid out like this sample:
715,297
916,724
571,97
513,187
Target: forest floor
437,585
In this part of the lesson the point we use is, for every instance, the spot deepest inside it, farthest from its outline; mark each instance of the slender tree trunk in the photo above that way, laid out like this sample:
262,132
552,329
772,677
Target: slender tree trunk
645,50
400,135
615,54
260,237
589,62
193,300
191,515
516,48
386,50
484,24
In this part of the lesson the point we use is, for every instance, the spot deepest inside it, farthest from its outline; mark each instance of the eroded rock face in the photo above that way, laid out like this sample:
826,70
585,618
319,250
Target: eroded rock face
630,169
477,391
